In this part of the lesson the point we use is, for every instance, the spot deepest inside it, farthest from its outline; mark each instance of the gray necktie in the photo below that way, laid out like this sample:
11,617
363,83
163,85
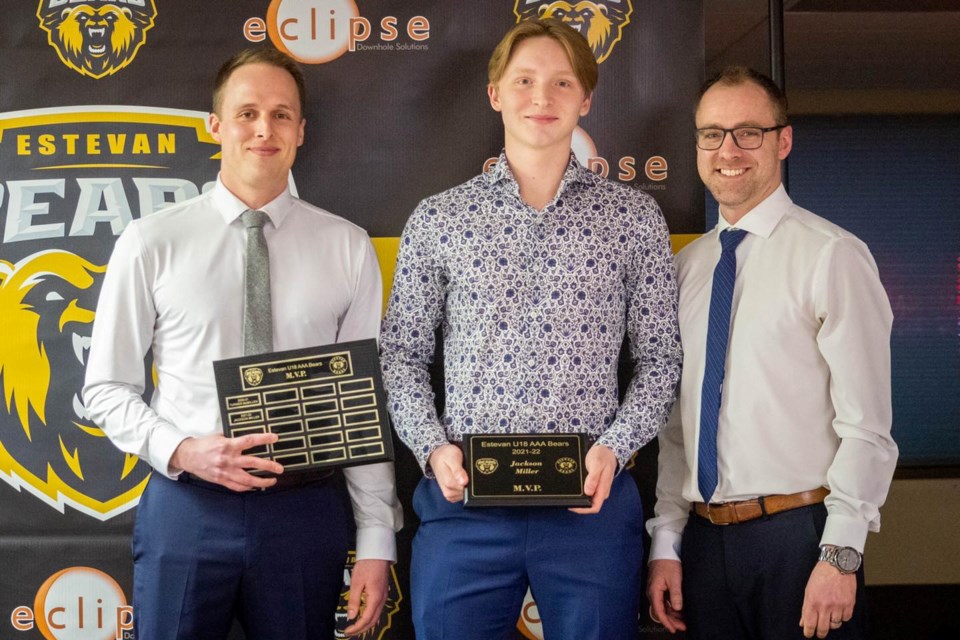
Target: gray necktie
257,316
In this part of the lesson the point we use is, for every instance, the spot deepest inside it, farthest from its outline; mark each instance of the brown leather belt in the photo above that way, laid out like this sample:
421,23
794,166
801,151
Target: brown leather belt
746,510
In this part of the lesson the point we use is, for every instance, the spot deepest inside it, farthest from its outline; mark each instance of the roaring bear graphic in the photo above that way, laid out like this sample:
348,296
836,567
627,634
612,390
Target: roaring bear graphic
47,443
95,38
601,23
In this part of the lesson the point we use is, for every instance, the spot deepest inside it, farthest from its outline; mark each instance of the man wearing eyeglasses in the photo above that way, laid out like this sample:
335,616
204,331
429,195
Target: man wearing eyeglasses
776,466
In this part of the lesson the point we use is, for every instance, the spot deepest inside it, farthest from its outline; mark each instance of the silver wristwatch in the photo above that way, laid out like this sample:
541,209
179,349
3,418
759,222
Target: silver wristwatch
845,559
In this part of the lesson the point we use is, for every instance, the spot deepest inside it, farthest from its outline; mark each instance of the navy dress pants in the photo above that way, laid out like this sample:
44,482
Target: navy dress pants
472,567
204,555
746,581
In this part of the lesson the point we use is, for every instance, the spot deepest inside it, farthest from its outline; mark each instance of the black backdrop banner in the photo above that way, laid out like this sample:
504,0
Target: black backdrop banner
103,119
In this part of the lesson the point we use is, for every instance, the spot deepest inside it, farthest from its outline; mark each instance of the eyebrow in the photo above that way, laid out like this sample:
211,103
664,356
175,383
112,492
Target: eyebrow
748,123
522,70
255,105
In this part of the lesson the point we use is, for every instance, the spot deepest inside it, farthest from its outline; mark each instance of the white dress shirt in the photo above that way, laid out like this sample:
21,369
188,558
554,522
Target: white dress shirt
806,395
175,285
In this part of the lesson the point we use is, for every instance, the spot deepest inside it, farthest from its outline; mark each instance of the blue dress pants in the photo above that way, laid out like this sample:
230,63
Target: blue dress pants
472,567
746,581
204,555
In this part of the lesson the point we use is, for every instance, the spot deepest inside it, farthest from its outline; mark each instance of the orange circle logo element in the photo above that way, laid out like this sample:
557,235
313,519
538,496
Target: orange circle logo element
529,624
80,603
311,31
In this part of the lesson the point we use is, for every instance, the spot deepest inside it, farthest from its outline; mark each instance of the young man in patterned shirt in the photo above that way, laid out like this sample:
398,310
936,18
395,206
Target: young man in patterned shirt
535,270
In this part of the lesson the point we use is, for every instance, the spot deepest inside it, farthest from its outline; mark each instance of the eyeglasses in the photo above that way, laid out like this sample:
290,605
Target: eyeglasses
747,138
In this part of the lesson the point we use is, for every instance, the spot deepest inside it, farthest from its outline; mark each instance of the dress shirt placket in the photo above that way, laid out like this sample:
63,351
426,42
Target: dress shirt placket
541,237
528,281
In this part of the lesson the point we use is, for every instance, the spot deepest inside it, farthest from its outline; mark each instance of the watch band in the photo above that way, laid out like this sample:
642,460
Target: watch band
846,560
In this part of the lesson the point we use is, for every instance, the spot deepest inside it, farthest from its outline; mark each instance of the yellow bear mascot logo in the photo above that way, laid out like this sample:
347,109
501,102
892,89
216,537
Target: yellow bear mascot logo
93,38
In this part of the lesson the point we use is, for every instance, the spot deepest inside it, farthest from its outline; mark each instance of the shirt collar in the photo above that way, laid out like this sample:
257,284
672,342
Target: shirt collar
763,218
231,207
500,173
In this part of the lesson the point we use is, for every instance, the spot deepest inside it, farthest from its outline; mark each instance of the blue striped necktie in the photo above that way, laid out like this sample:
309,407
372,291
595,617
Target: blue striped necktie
718,333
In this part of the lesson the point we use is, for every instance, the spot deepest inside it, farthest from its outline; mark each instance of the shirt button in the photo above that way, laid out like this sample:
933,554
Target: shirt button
528,411
531,362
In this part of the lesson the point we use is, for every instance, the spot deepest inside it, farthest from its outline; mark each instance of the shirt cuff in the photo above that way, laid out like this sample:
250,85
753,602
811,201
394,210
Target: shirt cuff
163,443
844,531
426,449
376,543
665,545
623,456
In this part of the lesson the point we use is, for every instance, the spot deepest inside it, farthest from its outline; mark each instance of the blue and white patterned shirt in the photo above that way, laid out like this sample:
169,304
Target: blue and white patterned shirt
534,306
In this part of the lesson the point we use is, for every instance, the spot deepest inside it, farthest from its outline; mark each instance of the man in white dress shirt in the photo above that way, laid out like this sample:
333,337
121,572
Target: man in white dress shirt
796,455
213,542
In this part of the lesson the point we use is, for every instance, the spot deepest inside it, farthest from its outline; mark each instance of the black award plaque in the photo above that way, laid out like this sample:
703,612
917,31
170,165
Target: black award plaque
326,404
529,470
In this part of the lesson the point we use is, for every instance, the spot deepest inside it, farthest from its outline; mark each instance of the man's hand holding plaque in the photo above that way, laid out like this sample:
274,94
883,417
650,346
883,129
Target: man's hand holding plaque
530,470
225,461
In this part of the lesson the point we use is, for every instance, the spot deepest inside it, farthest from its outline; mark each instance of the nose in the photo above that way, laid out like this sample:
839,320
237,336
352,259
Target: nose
729,146
542,95
264,127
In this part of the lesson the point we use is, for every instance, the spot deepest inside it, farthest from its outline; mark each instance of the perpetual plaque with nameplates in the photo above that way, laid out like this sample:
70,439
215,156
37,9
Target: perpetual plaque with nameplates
525,470
326,404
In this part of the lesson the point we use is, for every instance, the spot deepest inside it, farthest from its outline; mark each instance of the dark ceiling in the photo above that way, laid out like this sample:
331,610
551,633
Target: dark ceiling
853,51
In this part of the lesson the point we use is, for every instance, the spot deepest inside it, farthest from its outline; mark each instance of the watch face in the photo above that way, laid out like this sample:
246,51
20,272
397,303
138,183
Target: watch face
848,560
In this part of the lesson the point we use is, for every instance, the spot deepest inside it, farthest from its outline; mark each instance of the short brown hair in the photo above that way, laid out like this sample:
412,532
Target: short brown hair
261,55
575,45
736,75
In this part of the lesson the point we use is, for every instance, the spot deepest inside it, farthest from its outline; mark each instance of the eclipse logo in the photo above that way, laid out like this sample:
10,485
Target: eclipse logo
78,603
320,31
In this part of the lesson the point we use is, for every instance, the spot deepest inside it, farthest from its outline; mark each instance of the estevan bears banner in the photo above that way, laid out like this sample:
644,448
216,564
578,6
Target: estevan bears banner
103,119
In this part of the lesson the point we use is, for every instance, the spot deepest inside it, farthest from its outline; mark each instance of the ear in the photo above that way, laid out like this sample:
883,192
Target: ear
494,96
585,107
785,142
214,122
303,124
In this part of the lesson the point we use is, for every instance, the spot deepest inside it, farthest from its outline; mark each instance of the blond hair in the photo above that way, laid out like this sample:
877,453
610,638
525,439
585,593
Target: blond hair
575,45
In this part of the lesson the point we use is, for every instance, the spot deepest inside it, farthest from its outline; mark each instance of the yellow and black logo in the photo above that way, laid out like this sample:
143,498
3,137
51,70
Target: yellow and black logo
338,365
96,38
57,450
601,23
486,466
566,465
90,170
253,376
